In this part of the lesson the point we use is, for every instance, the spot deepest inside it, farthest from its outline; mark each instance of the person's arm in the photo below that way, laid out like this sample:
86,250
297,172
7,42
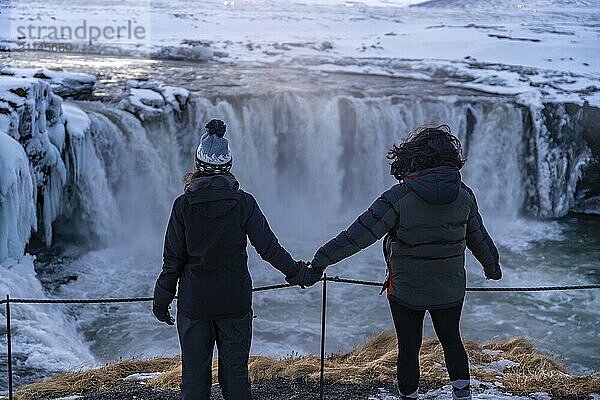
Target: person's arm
481,244
265,242
371,226
174,259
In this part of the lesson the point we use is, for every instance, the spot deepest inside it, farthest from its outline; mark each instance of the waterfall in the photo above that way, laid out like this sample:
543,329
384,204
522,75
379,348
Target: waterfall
496,150
96,163
140,167
313,148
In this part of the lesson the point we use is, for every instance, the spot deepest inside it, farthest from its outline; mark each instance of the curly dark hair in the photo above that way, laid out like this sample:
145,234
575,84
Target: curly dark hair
426,147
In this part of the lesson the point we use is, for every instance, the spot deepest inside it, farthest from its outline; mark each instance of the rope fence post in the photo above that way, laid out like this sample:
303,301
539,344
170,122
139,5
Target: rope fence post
9,349
323,316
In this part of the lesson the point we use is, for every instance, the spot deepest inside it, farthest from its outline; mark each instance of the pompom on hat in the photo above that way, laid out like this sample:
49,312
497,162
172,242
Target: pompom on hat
213,155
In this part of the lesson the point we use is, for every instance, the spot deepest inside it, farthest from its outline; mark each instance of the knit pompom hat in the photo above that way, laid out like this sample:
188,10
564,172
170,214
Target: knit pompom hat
213,155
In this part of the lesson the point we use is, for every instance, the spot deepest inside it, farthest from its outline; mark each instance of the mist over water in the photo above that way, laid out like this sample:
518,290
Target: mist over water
314,161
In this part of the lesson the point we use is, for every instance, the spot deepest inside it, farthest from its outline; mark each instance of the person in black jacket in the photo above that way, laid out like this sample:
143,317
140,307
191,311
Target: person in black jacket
428,221
205,253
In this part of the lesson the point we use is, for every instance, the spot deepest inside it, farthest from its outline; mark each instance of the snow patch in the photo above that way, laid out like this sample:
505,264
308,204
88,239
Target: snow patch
481,391
491,352
540,396
501,365
74,397
151,99
63,83
489,393
142,376
175,96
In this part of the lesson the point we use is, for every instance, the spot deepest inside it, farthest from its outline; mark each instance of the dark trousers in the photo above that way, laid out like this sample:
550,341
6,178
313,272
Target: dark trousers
409,329
197,339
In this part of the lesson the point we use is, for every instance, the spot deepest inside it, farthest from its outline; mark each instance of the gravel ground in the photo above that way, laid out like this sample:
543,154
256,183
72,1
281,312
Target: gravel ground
279,389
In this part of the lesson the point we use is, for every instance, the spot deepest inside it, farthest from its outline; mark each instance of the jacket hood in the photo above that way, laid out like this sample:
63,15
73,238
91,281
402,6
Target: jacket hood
214,196
439,185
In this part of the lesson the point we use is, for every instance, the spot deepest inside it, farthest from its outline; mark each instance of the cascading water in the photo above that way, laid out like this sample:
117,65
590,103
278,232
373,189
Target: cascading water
313,161
335,147
140,167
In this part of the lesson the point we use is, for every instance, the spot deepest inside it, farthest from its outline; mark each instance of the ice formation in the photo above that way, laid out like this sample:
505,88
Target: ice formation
17,214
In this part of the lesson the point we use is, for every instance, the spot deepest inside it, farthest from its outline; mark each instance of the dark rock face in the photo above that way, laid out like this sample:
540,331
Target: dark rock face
587,195
561,159
590,122
574,139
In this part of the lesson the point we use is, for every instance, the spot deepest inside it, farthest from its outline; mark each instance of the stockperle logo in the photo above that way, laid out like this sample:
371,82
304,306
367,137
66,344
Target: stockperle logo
128,31
53,28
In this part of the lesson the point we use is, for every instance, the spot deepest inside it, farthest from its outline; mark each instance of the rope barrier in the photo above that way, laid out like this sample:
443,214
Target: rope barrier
80,301
263,288
533,289
118,300
287,285
478,289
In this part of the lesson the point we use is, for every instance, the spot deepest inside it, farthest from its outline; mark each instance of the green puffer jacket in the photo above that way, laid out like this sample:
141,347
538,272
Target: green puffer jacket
428,220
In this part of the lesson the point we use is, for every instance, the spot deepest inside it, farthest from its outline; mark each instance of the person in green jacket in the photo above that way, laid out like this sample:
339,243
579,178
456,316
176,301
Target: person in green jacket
428,219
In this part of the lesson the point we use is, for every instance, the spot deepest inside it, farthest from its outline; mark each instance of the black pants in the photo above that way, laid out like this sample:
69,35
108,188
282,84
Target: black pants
197,339
409,329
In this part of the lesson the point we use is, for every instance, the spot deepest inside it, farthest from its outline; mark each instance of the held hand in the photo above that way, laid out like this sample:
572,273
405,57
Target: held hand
298,278
306,275
314,276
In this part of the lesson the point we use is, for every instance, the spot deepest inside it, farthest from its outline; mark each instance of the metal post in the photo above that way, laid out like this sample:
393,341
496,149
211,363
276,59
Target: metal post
9,350
323,315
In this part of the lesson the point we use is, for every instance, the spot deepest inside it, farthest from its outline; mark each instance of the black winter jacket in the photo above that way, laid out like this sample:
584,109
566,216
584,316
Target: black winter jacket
205,249
428,220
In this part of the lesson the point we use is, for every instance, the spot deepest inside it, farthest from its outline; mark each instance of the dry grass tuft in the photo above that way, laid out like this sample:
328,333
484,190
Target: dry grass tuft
171,379
541,373
107,377
375,361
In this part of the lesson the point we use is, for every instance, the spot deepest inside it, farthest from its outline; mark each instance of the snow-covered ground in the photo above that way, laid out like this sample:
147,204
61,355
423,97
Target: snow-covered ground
480,391
505,46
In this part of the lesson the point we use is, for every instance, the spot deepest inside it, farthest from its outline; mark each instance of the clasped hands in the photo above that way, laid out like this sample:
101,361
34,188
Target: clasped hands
307,275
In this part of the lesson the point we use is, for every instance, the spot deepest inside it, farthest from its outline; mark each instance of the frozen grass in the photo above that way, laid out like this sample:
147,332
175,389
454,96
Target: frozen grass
374,362
104,378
